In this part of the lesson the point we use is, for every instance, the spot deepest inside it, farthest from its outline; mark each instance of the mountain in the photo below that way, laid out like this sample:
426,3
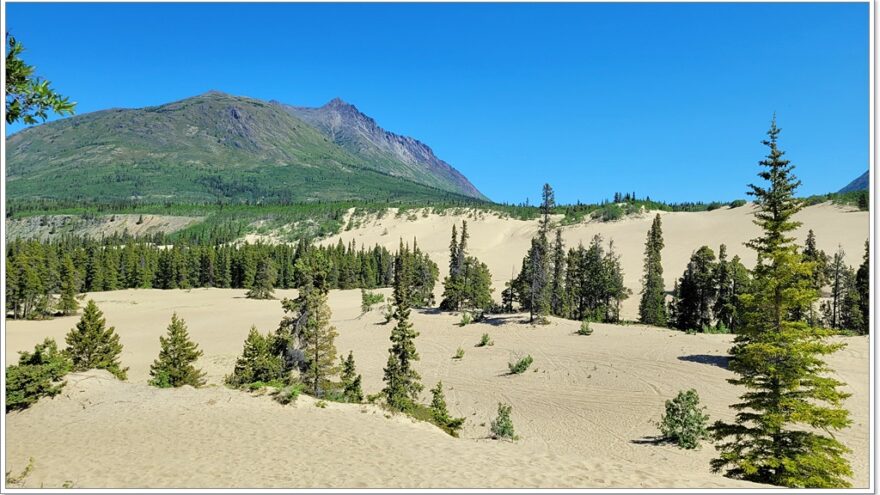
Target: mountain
209,147
398,155
859,184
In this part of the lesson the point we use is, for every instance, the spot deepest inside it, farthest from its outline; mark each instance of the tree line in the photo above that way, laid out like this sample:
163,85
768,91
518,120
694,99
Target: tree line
43,278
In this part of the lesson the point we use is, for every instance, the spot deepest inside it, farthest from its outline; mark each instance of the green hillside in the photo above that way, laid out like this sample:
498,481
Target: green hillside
211,147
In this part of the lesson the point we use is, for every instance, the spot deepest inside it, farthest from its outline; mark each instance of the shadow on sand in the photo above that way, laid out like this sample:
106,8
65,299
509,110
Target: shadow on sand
720,361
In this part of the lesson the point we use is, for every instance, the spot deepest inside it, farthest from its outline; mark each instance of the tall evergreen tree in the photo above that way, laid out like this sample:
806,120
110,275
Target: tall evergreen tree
68,304
652,306
174,367
259,361
731,281
696,293
863,280
781,432
557,278
402,382
317,342
837,278
264,280
92,345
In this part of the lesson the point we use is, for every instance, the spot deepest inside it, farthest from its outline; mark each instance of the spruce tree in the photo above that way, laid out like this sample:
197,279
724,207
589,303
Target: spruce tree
781,433
441,414
174,366
402,382
67,305
264,280
863,278
557,279
652,306
259,361
351,381
696,294
91,345
317,343
837,278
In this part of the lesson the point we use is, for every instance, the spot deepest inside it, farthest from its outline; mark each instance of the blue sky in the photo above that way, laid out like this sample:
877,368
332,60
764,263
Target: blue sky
667,100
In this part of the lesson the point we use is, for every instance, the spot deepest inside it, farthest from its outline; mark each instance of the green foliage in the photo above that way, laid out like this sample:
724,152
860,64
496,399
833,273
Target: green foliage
259,362
585,329
696,292
402,382
459,353
485,341
93,346
736,203
370,299
29,98
520,365
288,394
36,375
652,306
469,284
685,422
782,432
502,426
441,415
351,381
466,319
316,337
264,280
174,366
12,480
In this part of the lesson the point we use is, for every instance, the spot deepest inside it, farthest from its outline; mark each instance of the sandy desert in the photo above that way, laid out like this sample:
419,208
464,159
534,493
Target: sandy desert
584,412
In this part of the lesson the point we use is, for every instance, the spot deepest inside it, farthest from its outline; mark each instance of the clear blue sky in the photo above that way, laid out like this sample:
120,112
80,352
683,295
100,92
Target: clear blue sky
667,100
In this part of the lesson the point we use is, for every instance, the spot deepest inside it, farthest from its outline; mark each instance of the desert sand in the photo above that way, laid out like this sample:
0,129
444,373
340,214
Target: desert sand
584,411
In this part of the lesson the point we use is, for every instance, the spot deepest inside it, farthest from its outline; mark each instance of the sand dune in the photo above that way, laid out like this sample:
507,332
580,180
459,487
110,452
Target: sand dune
583,411
502,242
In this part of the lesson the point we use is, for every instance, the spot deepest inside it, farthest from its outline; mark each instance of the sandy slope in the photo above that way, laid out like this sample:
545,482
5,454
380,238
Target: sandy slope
502,243
583,411
53,226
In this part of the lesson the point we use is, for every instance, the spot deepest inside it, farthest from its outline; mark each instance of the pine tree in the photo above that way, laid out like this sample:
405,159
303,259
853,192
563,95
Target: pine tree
557,279
402,382
264,280
441,414
696,294
548,201
174,366
652,306
837,275
259,361
731,281
351,381
93,346
68,304
782,430
862,287
317,343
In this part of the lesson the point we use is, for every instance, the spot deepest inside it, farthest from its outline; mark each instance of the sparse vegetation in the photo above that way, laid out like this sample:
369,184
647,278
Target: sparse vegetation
37,374
459,353
685,422
519,366
441,414
485,341
501,427
370,299
585,329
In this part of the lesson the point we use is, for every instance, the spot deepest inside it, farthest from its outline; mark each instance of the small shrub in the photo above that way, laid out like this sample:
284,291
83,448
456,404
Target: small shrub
736,203
466,319
520,366
458,354
585,328
36,375
502,427
484,341
288,394
388,315
684,421
321,404
370,299
720,328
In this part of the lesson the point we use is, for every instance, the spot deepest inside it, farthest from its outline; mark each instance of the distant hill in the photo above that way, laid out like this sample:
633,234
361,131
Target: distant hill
399,155
210,147
859,184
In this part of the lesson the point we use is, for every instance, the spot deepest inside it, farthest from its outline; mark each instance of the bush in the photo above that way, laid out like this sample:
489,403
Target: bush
684,422
736,203
520,366
502,426
458,353
441,415
585,328
370,299
288,394
466,319
484,341
36,375
258,363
